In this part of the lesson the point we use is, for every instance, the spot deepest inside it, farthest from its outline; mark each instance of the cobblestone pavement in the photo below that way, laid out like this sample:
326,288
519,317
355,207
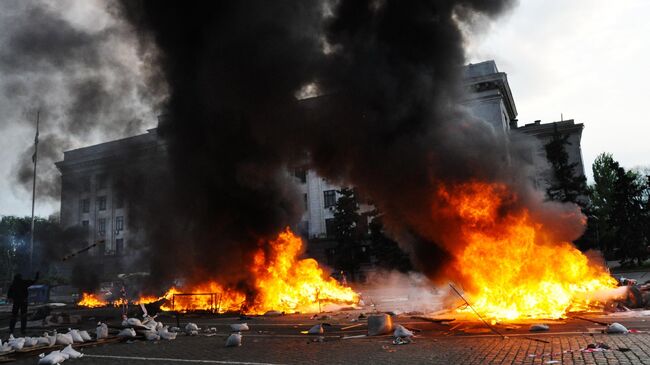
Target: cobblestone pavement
278,340
257,349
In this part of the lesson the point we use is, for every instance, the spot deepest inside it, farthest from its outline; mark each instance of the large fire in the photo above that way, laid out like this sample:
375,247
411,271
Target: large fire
282,282
509,265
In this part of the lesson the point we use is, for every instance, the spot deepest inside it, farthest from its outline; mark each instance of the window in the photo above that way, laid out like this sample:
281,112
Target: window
102,181
304,198
329,198
301,175
85,224
84,205
101,203
101,226
330,227
119,246
85,184
119,224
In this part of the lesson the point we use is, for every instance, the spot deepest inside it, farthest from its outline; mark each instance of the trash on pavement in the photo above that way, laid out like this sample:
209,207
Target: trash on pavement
316,330
538,327
401,331
72,353
616,328
238,327
402,341
380,325
233,340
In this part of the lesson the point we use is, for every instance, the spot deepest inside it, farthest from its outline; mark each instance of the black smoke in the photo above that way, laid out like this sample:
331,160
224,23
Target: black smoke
388,120
75,63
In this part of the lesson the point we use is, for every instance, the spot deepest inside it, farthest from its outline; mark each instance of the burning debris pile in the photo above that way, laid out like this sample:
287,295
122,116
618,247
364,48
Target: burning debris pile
511,265
283,282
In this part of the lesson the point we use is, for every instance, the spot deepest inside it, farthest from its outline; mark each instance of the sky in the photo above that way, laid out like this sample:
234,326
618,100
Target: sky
582,59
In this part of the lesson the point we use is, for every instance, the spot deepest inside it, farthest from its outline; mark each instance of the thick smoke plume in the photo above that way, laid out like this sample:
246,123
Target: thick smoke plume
387,120
76,63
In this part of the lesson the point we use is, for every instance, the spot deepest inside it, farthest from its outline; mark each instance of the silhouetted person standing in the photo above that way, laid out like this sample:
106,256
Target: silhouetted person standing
18,294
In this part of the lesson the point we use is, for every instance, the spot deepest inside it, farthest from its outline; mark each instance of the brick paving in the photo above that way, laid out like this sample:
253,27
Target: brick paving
285,349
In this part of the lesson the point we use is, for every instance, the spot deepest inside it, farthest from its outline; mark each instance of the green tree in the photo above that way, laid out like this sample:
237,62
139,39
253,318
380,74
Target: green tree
566,185
346,220
619,208
387,252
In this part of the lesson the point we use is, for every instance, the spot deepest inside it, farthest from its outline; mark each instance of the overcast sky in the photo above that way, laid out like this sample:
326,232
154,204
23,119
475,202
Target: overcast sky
585,59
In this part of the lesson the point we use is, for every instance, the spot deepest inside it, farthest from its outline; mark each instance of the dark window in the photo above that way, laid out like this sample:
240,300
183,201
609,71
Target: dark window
84,205
330,227
119,223
329,198
101,226
301,175
101,203
119,246
102,181
304,198
85,184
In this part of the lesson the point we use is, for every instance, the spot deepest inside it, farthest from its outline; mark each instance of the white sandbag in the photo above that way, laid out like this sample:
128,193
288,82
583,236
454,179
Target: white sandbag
64,339
380,325
127,332
159,325
72,353
42,341
401,331
85,336
31,341
54,357
616,328
192,329
151,336
52,338
237,327
166,335
76,337
5,347
316,330
133,322
233,340
102,330
16,343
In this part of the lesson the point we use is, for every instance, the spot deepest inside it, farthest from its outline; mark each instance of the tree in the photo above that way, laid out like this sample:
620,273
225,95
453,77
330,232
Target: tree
565,185
388,253
346,219
619,207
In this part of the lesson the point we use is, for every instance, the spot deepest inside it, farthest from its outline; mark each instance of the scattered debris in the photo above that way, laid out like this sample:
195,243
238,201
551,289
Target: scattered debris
238,327
316,330
402,341
234,340
380,325
352,326
539,327
102,330
54,357
352,337
616,328
401,331
624,349
552,362
126,333
192,329
72,353
388,349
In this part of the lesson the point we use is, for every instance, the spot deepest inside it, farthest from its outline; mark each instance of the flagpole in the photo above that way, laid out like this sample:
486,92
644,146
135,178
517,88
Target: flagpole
35,160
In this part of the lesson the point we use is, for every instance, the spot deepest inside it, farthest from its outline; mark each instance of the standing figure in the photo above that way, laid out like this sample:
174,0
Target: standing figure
18,294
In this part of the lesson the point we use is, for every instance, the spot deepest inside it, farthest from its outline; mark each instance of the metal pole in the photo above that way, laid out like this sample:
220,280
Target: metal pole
35,160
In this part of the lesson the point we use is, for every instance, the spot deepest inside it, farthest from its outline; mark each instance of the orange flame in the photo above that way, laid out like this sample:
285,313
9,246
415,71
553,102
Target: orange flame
91,301
282,281
512,268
